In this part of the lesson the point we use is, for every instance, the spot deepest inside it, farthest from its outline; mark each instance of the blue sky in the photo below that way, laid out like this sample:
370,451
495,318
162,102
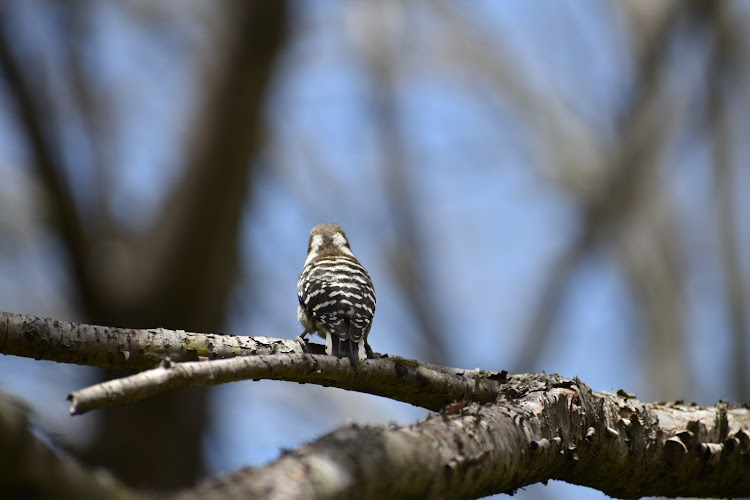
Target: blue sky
491,215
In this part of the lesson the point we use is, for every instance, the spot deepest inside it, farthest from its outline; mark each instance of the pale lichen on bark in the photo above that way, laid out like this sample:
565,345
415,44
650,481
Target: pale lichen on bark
494,433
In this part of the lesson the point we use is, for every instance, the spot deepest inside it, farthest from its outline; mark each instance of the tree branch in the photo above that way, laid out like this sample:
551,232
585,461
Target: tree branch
271,358
125,348
495,434
32,469
549,427
395,378
724,60
33,109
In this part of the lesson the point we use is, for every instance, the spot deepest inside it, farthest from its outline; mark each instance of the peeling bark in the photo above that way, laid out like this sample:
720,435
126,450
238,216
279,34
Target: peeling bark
542,427
494,433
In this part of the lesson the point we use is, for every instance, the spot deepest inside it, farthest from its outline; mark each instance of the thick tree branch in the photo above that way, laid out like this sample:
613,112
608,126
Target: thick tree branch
548,427
124,348
276,359
31,469
495,433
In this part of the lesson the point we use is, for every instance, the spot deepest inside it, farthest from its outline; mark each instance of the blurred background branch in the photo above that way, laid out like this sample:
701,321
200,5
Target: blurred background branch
552,185
179,269
727,57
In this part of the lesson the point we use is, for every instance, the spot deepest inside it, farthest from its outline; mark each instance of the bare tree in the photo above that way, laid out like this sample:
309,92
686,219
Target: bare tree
388,117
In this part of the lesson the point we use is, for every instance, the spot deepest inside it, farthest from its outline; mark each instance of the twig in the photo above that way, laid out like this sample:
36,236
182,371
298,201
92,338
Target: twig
396,378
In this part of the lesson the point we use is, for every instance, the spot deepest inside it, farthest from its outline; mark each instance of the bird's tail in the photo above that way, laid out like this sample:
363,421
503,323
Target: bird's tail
349,349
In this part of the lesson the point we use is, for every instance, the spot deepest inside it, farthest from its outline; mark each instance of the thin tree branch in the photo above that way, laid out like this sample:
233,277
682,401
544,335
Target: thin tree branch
573,147
407,261
395,378
421,384
34,117
725,57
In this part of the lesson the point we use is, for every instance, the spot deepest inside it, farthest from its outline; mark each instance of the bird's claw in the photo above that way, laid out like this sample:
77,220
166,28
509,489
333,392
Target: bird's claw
302,341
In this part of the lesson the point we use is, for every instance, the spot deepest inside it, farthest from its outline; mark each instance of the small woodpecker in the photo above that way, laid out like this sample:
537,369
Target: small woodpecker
336,296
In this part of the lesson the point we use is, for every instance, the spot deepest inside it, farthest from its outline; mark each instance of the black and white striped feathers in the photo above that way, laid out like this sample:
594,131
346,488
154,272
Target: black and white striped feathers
336,296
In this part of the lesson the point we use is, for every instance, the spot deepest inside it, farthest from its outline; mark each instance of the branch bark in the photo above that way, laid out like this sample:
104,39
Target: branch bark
124,348
546,427
31,469
395,378
277,359
494,434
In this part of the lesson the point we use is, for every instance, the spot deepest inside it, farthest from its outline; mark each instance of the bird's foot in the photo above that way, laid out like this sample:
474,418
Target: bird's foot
369,351
302,341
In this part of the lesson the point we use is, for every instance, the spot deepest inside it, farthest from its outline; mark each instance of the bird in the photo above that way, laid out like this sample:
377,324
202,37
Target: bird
336,296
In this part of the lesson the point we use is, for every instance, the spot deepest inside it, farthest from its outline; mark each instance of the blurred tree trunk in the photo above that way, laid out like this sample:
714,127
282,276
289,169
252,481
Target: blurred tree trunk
178,273
200,256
